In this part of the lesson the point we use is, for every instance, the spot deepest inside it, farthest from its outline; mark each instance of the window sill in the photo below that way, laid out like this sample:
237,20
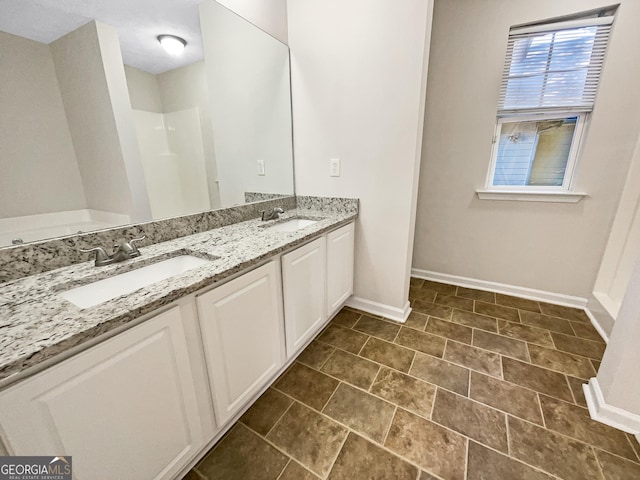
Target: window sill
531,196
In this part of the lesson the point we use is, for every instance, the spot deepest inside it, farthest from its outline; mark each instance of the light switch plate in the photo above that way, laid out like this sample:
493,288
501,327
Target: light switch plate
260,167
334,167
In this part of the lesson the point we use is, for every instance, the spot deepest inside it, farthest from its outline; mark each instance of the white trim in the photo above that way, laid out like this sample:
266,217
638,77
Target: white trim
531,196
638,437
550,27
375,308
596,325
523,292
608,414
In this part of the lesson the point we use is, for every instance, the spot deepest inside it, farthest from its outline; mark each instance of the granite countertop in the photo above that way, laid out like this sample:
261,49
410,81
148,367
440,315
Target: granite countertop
36,323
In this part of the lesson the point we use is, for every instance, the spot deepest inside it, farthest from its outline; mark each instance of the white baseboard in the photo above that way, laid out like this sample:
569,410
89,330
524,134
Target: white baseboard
530,293
608,414
375,308
596,325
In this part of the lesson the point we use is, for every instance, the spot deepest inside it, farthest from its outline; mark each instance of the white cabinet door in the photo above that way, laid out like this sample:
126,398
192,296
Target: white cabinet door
304,284
339,267
242,330
123,409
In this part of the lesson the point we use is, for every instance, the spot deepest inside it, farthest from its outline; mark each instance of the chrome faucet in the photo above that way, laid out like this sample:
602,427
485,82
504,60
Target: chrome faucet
121,251
273,215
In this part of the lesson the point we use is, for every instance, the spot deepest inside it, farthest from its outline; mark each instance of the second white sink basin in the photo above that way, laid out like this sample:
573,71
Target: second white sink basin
102,290
292,225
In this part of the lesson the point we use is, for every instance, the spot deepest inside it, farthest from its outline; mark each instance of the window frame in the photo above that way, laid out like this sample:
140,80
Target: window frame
576,143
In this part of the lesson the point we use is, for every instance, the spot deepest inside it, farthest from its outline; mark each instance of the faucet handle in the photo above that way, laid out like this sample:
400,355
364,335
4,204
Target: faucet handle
102,257
133,241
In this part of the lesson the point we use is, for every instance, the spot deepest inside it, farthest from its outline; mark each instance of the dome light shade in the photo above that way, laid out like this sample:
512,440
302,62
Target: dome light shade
172,44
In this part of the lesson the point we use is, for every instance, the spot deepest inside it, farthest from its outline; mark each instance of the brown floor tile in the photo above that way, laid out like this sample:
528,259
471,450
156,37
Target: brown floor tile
575,384
432,309
498,311
346,318
568,363
586,330
544,321
579,346
316,354
517,302
474,358
307,385
525,333
473,294
310,438
441,373
454,302
404,391
552,452
567,313
536,378
421,341
451,330
416,282
505,396
427,444
267,410
361,459
596,364
425,476
360,411
377,328
193,475
634,444
343,338
351,369
388,354
616,468
416,320
485,464
500,344
472,419
440,287
575,422
422,294
294,471
475,320
240,455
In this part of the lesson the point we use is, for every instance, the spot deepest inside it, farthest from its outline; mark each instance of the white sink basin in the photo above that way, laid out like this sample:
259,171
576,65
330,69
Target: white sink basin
292,225
102,290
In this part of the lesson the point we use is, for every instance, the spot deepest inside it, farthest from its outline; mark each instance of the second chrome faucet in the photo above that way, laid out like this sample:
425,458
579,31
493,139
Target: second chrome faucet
273,215
121,251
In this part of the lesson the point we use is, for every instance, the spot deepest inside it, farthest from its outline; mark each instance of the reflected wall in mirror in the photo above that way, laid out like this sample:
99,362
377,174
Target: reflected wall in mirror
100,127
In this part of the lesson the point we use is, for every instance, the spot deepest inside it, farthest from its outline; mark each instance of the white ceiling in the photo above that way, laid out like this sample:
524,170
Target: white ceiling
139,22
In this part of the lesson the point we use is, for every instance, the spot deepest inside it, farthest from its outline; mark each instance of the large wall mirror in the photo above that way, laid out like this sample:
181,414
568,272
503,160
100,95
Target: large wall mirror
101,126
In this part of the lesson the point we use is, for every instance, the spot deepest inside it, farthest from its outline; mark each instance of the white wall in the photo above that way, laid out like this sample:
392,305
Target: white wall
358,78
545,246
247,75
85,93
37,152
269,15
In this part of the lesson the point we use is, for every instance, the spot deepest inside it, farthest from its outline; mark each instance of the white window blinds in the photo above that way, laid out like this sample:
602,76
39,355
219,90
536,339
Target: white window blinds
554,67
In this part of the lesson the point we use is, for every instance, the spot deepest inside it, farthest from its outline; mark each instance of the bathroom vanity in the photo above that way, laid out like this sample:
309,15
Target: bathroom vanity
140,386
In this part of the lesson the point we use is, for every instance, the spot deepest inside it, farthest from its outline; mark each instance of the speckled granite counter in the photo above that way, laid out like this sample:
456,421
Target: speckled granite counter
36,324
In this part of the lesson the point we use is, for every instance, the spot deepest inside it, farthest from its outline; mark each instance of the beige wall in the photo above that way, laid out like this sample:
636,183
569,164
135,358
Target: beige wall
546,246
358,82
144,90
37,152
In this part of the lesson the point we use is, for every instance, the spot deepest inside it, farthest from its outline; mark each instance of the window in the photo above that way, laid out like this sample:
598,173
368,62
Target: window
548,89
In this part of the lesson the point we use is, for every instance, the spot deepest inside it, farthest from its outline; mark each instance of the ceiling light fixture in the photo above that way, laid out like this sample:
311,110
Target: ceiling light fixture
172,44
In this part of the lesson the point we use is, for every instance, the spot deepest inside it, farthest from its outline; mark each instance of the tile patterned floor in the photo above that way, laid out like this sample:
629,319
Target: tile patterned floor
474,386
